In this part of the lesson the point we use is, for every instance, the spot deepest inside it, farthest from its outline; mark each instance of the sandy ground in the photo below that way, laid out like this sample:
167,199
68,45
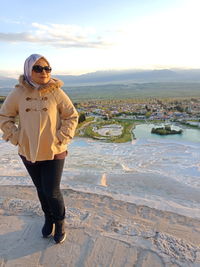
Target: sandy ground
100,232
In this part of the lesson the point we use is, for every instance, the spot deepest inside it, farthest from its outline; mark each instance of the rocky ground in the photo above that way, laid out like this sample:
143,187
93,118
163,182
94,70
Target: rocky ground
101,231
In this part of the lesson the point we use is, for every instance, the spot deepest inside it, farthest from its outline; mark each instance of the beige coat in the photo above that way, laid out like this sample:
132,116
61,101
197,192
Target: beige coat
47,120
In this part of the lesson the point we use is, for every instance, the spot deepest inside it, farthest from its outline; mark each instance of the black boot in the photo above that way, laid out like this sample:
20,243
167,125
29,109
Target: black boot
47,229
60,234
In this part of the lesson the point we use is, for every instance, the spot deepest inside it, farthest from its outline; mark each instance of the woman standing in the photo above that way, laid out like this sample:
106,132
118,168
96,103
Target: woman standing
47,123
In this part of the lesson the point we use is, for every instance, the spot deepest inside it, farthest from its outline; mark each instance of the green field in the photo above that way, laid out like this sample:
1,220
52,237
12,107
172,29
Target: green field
134,90
131,90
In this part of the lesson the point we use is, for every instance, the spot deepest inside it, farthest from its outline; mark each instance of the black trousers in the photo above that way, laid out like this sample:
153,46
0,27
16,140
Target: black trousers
46,176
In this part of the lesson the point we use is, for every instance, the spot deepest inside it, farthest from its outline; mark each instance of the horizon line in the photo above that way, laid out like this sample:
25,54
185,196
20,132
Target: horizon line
16,75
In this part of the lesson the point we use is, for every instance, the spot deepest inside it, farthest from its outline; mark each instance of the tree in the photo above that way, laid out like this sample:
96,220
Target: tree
148,114
179,108
81,118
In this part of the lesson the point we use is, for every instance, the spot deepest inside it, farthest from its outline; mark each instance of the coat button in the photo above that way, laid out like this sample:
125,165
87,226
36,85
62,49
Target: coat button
28,109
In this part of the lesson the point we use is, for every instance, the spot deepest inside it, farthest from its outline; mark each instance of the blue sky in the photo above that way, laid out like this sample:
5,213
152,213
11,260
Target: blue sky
84,36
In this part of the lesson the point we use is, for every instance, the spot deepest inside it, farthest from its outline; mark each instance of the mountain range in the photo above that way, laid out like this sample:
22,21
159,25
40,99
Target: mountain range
125,78
137,76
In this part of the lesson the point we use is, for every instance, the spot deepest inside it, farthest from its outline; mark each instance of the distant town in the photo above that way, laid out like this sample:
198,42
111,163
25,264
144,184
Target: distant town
114,120
182,110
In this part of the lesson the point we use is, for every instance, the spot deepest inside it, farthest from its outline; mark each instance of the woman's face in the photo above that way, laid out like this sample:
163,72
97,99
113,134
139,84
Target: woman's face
41,77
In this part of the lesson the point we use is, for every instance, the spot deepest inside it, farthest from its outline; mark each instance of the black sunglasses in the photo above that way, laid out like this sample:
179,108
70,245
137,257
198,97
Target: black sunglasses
39,69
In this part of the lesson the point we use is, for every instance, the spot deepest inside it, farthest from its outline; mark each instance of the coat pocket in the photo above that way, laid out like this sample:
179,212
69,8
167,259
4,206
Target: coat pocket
57,140
14,139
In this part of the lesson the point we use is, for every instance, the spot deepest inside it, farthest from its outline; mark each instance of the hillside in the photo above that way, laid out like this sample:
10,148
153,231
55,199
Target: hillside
139,90
125,84
133,76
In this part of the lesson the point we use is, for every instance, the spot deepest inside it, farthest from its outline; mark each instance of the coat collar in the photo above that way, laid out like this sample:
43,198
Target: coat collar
52,84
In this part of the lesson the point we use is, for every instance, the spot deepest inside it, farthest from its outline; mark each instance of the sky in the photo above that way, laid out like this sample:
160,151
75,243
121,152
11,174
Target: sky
82,36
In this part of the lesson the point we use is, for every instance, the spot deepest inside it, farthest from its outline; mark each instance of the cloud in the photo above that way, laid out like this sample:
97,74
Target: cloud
15,37
58,35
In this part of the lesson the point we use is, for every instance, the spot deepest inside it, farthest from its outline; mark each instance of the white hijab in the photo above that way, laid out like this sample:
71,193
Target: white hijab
28,65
